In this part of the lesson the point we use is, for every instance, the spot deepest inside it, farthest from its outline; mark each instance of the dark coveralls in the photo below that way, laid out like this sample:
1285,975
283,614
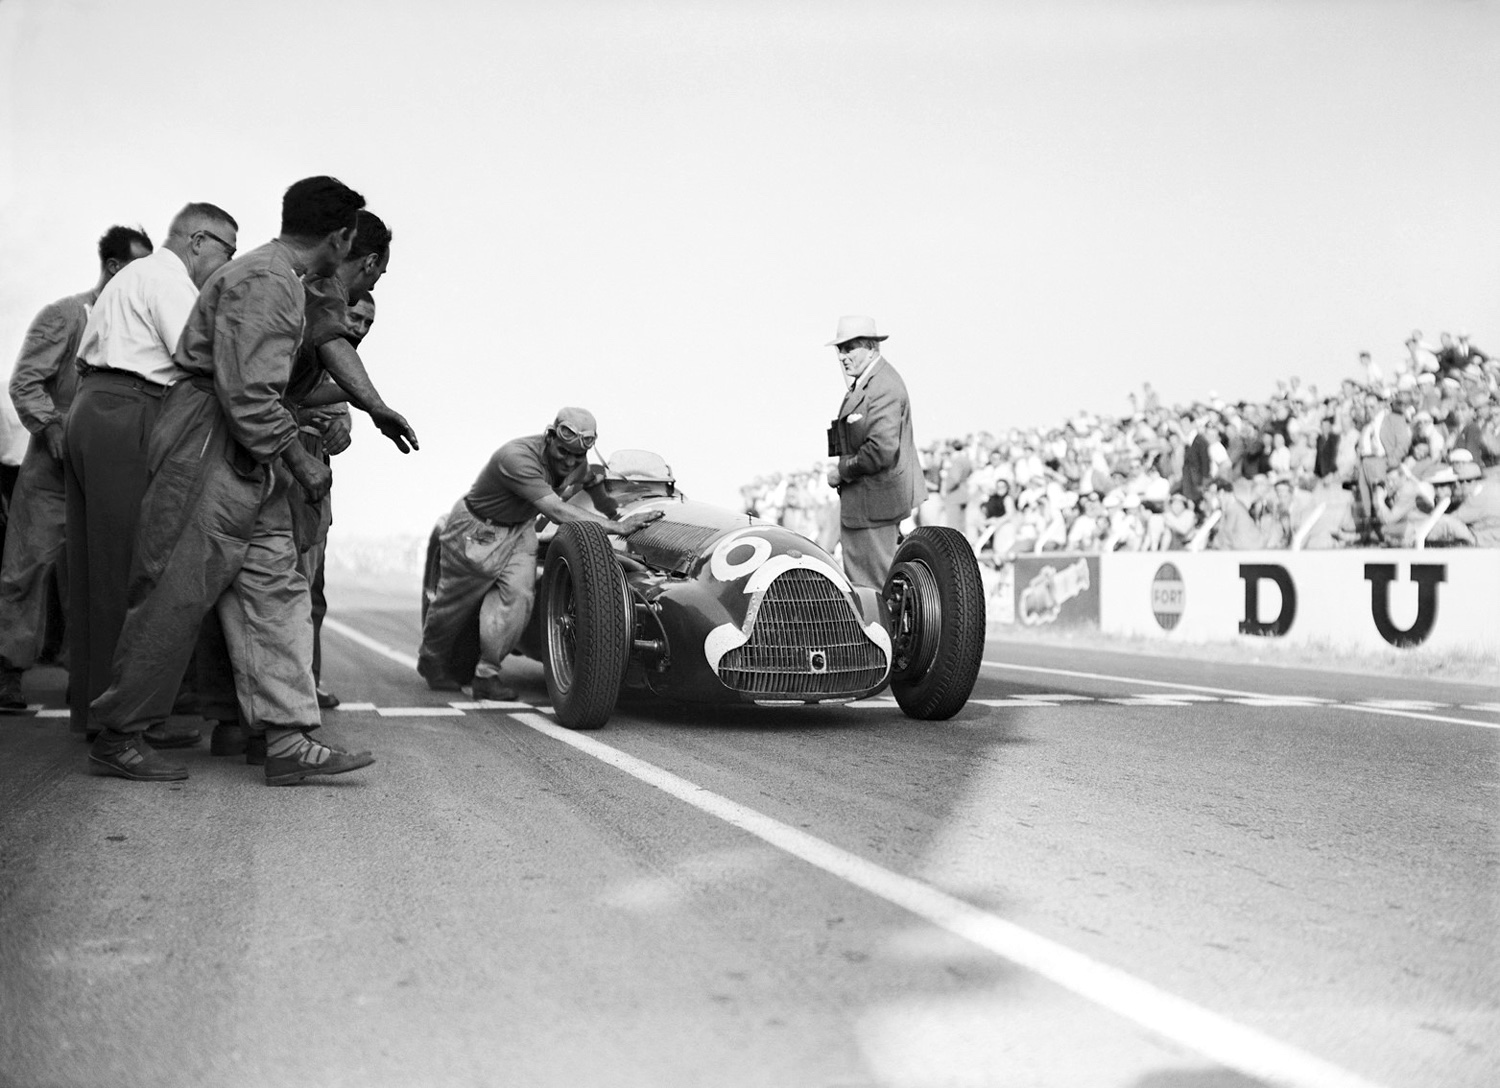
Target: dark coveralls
33,573
216,527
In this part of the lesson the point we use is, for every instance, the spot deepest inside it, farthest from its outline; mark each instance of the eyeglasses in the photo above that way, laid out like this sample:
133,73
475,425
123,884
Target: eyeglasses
572,440
229,249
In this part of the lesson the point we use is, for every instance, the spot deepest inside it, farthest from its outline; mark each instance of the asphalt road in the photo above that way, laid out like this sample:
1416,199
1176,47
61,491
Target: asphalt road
1108,870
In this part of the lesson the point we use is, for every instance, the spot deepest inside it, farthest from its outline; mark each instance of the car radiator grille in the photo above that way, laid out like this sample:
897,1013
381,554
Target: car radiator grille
805,641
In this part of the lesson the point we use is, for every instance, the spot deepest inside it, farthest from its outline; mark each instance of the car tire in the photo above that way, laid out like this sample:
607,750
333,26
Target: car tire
586,625
935,599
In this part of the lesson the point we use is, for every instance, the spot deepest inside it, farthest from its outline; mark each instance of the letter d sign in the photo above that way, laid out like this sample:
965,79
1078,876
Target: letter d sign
1252,573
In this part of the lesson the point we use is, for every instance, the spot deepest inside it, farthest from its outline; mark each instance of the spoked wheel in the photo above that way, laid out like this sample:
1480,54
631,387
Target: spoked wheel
935,599
586,616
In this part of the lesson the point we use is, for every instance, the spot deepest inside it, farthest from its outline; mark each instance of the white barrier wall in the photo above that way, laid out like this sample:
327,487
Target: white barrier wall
1440,599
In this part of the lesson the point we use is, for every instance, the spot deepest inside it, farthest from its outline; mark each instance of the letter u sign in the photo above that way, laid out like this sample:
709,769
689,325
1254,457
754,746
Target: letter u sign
1427,576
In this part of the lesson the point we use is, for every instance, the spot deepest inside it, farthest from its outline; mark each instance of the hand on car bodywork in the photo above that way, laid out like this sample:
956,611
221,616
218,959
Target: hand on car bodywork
639,521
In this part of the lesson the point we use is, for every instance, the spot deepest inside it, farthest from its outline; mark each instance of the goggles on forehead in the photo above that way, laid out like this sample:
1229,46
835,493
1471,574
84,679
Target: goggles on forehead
572,440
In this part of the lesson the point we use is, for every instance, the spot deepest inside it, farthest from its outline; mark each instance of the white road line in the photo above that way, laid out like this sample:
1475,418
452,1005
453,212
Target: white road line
419,712
1260,698
1217,1038
331,624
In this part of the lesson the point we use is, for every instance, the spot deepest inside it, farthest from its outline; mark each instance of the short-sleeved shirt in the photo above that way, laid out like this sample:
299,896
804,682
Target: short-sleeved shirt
325,319
514,478
139,318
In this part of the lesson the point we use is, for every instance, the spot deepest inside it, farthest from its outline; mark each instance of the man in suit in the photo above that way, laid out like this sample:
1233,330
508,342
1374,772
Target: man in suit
878,475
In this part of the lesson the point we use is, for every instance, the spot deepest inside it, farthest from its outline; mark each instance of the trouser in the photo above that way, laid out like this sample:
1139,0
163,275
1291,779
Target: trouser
109,427
8,474
311,522
869,552
311,565
215,533
1371,471
487,579
33,571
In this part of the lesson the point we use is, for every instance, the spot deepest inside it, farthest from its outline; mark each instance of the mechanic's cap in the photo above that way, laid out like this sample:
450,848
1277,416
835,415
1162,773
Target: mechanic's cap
576,427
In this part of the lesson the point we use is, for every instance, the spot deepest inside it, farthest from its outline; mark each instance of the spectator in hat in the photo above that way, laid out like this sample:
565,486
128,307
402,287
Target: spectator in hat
1473,516
878,475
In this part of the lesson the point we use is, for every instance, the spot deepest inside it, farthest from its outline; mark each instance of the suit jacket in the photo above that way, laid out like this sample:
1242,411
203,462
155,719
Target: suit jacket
881,475
1197,468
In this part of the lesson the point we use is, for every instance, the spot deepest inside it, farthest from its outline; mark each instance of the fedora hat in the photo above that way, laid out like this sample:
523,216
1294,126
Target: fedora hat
852,327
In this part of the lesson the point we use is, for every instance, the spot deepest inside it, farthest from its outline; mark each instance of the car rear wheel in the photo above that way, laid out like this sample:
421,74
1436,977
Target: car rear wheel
935,600
586,624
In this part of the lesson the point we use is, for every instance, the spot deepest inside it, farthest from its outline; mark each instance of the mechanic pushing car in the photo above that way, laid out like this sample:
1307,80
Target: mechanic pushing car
488,548
877,474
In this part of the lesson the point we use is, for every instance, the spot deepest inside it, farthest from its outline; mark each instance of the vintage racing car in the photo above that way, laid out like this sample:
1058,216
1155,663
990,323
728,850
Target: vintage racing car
709,606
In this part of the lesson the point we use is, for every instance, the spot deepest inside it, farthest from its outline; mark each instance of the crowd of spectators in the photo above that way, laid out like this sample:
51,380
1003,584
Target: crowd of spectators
1406,455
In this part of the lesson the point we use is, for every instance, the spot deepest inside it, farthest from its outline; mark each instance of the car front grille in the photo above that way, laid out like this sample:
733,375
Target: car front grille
805,642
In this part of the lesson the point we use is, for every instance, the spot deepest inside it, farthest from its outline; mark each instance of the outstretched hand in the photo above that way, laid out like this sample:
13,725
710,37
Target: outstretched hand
394,426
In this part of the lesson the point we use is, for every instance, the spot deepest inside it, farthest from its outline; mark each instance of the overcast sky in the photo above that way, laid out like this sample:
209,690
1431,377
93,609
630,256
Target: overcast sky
659,210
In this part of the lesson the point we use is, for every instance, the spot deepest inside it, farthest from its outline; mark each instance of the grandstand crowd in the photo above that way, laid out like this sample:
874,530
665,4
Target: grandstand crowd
1400,456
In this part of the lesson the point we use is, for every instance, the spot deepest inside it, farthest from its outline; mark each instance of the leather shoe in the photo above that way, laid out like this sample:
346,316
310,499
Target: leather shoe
228,739
159,736
134,760
289,770
491,689
255,749
327,700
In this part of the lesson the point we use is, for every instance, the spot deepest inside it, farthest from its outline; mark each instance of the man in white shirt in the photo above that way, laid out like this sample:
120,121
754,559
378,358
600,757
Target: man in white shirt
126,366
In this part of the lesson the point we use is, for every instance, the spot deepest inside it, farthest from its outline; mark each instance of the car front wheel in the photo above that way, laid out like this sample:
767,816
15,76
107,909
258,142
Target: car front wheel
935,599
586,622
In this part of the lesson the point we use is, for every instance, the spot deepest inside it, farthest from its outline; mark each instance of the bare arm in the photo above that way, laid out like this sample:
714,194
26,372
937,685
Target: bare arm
341,361
554,507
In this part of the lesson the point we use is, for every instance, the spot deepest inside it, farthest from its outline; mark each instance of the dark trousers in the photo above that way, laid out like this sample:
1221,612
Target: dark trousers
34,570
106,476
215,533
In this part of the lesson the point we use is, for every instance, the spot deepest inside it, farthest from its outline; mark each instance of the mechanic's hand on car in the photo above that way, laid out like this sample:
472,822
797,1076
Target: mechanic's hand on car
393,425
639,521
337,434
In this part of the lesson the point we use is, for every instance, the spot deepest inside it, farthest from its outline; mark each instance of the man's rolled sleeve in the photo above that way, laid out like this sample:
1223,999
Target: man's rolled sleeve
257,330
36,370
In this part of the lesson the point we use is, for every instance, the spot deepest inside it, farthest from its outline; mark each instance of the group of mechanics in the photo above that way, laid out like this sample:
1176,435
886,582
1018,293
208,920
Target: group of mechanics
173,501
